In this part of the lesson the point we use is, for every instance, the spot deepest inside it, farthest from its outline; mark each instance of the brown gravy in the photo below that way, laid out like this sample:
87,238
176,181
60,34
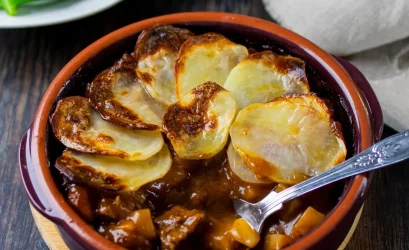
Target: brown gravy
206,185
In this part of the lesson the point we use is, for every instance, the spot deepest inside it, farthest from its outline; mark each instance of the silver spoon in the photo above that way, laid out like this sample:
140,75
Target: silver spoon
384,153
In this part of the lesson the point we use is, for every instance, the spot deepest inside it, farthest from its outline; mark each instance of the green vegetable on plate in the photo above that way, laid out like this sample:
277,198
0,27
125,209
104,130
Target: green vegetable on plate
11,6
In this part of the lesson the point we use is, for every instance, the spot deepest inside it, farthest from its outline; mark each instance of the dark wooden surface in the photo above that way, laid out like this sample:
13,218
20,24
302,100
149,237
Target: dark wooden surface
30,58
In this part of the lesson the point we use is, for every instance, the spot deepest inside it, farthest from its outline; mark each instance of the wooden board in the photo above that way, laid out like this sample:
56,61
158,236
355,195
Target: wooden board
52,237
48,231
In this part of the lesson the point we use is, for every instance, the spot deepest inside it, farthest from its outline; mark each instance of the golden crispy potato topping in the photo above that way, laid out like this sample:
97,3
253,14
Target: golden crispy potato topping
241,170
207,57
263,76
156,52
141,190
198,125
78,126
289,139
118,96
110,173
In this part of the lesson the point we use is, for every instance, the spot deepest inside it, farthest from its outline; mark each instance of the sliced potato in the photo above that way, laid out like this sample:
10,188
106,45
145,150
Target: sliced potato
208,57
80,127
241,170
263,76
156,52
111,173
288,139
119,97
198,125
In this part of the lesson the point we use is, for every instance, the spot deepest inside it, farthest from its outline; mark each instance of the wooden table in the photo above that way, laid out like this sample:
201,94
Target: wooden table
29,60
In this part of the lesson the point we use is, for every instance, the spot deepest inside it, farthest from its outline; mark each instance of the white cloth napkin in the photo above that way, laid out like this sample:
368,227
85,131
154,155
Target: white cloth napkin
374,28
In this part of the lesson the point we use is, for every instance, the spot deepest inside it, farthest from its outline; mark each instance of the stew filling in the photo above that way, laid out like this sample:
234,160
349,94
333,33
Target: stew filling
191,208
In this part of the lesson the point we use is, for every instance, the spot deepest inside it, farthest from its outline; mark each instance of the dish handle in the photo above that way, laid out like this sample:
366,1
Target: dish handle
368,95
32,184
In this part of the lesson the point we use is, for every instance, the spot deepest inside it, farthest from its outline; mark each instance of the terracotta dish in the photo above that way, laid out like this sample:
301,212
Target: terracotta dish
353,102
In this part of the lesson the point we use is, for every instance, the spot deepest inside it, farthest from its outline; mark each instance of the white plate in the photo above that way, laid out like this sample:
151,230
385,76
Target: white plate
53,12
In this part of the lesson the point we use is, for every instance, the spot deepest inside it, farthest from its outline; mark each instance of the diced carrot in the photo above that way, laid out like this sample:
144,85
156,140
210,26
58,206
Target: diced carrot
142,220
218,236
280,187
276,241
308,220
242,232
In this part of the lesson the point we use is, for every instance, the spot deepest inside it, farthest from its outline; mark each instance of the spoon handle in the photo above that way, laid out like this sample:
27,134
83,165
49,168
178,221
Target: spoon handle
384,153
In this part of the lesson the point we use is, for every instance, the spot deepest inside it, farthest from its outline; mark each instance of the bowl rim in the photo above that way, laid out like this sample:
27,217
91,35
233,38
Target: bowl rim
38,136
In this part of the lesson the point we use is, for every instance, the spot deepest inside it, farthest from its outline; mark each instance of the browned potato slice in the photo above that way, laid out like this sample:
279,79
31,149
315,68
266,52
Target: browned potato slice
207,57
80,127
119,97
242,232
263,76
308,221
276,241
156,52
105,172
240,169
288,139
198,125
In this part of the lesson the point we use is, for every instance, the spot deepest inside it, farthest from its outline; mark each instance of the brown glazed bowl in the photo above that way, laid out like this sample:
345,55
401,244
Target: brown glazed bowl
357,107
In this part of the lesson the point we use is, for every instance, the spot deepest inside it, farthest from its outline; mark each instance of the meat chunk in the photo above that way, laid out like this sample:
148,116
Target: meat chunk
78,198
135,232
119,207
177,224
123,234
113,209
